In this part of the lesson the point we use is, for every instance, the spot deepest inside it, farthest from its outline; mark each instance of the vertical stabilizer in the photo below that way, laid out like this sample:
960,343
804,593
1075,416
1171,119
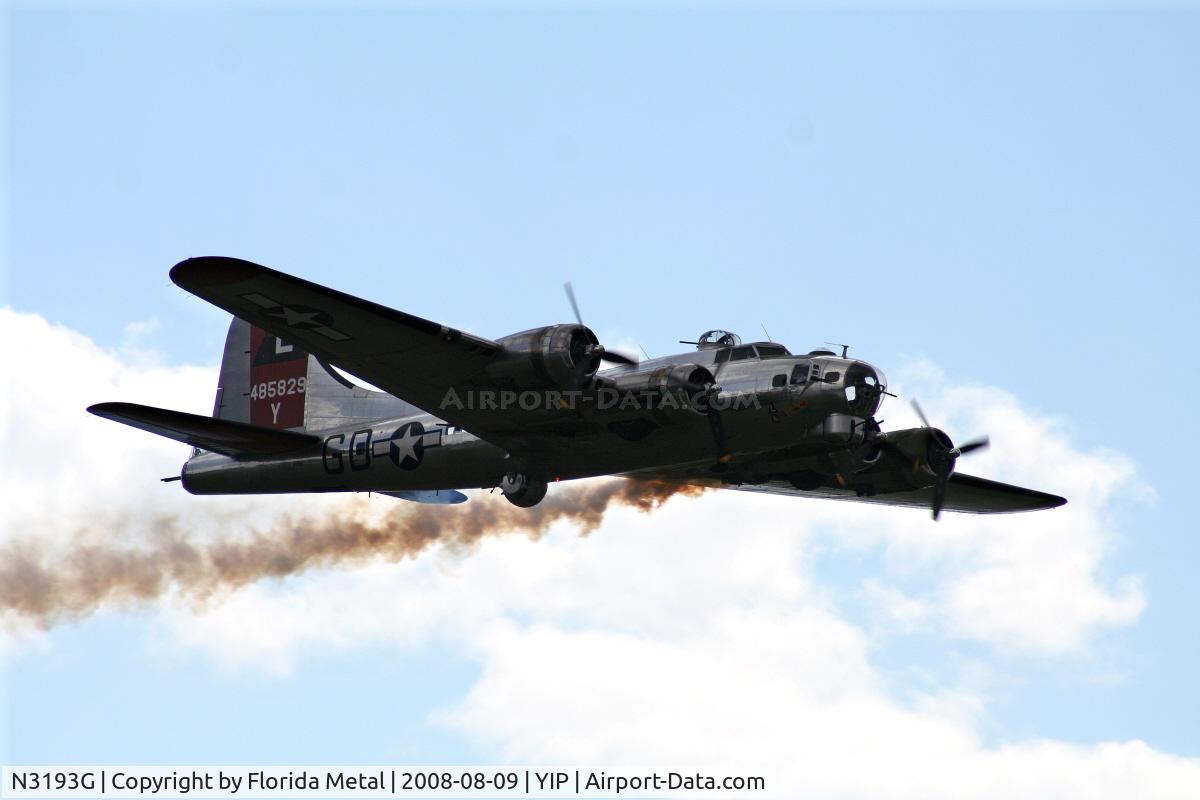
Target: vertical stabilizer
278,381
233,384
267,381
262,381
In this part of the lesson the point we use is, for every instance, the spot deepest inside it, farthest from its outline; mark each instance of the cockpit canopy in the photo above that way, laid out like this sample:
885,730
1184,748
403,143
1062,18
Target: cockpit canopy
717,338
747,351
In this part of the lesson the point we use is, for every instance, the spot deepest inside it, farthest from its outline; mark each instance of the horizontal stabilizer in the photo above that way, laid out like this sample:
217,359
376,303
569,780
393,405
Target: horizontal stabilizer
438,497
235,439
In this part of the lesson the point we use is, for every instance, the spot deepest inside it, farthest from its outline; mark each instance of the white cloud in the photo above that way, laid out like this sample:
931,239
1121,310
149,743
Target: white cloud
65,473
138,345
1028,583
61,467
705,632
723,698
895,607
57,458
616,649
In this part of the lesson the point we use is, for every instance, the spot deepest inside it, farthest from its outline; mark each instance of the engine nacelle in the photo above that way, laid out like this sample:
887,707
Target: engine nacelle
554,357
921,448
664,391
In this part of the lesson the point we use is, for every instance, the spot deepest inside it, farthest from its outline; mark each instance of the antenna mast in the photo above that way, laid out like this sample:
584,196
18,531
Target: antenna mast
844,347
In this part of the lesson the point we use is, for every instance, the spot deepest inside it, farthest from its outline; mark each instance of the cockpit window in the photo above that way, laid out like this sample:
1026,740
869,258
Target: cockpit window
747,351
742,353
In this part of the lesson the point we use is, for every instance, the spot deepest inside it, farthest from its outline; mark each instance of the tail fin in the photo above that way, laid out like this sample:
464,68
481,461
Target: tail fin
267,381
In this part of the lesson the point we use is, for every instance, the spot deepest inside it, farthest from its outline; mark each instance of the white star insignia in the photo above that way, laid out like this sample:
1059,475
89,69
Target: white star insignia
406,446
291,317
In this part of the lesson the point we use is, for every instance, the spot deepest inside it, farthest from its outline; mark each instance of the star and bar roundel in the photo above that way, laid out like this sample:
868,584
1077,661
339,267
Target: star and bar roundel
303,318
408,445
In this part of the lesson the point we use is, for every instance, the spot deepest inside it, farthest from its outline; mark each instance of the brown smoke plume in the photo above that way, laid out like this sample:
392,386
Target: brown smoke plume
49,588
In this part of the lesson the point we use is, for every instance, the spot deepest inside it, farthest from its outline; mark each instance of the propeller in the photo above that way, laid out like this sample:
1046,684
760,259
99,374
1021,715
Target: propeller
942,454
718,432
704,395
703,390
597,350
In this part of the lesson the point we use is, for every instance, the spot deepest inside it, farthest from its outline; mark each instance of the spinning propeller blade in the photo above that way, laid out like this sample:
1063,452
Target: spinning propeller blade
597,350
941,455
916,407
574,305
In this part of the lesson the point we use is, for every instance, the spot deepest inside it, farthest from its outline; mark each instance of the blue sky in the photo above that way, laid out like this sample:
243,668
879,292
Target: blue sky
1009,194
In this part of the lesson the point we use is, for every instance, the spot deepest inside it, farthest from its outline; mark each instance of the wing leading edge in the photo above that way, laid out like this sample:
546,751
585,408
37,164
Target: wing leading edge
412,358
966,494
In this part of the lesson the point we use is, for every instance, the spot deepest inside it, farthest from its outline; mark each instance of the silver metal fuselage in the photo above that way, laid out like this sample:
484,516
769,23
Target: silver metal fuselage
769,418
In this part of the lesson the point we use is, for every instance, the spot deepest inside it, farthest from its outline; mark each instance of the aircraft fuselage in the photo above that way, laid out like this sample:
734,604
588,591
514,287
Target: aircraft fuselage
793,407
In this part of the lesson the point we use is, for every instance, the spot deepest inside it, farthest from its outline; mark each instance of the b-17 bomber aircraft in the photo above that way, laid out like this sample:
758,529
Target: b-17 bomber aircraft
459,411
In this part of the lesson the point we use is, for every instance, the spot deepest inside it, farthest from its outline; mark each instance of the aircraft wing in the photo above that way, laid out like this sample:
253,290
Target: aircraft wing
412,358
964,493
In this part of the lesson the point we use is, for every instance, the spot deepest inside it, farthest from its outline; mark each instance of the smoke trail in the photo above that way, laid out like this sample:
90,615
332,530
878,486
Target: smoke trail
47,588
